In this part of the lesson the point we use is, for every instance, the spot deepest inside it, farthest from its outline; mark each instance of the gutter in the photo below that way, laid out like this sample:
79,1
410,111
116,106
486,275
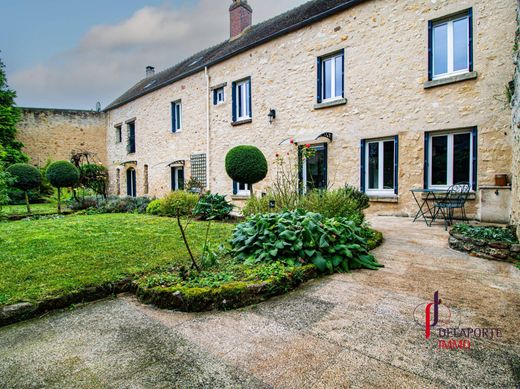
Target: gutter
268,38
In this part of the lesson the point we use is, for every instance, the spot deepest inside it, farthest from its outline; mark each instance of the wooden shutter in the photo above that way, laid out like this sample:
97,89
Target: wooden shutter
426,159
430,50
319,77
235,187
362,184
250,98
396,164
215,93
470,38
174,118
475,157
234,104
343,73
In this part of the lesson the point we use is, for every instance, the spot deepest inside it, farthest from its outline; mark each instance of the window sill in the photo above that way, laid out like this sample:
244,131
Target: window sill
240,122
383,199
240,197
450,80
332,103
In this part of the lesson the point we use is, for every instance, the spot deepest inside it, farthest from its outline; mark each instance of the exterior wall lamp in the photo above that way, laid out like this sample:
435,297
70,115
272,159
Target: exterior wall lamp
271,116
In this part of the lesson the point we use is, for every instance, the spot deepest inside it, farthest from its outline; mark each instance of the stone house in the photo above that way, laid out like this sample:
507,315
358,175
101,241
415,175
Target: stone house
392,95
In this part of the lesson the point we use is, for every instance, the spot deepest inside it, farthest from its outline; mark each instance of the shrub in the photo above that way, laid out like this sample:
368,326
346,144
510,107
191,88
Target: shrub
25,177
154,208
183,201
112,204
213,207
491,234
246,164
5,182
62,174
95,177
255,205
331,244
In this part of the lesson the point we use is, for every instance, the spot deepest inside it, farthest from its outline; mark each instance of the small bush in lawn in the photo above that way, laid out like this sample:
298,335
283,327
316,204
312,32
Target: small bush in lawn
183,201
299,237
213,207
154,208
62,174
26,177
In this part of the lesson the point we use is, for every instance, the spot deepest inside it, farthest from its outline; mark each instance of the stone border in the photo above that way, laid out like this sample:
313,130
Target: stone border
230,296
498,251
18,217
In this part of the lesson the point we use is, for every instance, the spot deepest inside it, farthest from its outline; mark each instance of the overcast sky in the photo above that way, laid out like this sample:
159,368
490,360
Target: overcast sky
73,53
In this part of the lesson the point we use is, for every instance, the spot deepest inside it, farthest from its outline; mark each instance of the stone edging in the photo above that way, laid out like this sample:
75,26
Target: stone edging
498,251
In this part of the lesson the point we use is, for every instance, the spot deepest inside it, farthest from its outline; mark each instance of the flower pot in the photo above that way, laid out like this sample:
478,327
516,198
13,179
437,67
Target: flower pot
500,179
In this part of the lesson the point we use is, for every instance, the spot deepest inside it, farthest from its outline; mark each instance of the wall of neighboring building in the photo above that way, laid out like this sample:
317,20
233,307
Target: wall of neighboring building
516,131
385,46
54,134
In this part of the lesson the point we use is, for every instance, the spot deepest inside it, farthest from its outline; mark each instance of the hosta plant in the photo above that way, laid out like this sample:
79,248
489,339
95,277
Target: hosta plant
299,237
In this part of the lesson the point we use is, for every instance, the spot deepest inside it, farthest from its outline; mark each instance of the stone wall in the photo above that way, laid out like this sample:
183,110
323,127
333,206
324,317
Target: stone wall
516,131
53,134
385,46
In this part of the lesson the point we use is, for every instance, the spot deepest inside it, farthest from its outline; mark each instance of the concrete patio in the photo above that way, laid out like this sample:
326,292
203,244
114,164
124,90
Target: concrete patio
344,331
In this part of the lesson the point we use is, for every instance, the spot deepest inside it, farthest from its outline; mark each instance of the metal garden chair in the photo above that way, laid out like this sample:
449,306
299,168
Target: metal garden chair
455,198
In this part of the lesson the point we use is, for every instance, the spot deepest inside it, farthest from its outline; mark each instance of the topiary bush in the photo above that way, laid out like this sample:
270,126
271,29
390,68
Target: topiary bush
213,207
25,177
299,237
62,174
180,200
246,164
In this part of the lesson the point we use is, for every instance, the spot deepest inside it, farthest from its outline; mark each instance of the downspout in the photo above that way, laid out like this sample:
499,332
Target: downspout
208,129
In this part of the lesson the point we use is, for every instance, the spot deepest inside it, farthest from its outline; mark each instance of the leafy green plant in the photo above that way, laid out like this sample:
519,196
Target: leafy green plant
112,204
154,208
95,177
299,237
246,164
179,200
5,182
62,174
488,233
25,177
212,207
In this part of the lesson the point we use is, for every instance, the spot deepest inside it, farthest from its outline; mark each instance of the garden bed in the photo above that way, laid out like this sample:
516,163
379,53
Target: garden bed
495,243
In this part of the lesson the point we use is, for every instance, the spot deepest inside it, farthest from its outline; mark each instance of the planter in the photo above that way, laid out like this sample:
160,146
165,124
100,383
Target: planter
498,251
501,179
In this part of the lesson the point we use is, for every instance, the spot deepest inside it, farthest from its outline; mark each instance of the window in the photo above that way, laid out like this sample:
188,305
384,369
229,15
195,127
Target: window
450,159
176,116
451,46
218,96
131,138
119,133
177,177
331,79
379,166
242,100
240,189
313,170
131,184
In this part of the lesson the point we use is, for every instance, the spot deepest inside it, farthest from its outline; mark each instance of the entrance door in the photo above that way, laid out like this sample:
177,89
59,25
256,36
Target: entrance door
131,185
314,169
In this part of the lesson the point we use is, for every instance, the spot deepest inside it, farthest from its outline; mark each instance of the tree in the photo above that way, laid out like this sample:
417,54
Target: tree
246,164
62,174
25,177
9,117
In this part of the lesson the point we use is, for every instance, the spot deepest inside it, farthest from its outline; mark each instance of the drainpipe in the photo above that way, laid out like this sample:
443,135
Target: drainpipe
208,128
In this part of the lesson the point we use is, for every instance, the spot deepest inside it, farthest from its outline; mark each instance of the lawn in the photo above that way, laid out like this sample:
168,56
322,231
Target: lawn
36,209
49,258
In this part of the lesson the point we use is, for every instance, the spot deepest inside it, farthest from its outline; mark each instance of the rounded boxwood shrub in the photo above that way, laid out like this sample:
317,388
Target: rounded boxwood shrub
154,208
180,200
246,164
25,177
62,174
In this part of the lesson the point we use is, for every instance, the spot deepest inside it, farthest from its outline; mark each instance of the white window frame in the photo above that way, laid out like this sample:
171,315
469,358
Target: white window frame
177,106
244,99
243,192
332,77
379,191
450,151
450,71
220,92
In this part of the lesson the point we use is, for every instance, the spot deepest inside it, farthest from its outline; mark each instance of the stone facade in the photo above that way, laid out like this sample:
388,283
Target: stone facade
516,132
53,134
386,53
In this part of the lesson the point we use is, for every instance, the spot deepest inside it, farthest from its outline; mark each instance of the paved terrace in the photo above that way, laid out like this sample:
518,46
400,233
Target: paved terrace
345,331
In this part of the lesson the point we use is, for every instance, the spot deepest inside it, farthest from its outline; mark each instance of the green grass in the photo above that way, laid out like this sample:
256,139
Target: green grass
49,258
36,209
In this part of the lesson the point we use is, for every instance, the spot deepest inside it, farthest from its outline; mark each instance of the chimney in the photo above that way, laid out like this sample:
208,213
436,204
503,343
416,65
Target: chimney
150,71
241,17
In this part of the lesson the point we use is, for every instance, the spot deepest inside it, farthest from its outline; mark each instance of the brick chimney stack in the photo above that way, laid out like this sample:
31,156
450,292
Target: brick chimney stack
241,17
150,71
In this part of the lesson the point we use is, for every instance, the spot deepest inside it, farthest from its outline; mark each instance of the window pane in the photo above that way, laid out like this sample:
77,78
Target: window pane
327,79
439,160
388,165
373,165
440,49
339,76
178,116
180,179
460,44
461,158
316,169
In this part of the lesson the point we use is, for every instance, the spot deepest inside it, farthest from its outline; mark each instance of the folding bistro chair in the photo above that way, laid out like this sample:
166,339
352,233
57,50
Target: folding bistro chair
455,199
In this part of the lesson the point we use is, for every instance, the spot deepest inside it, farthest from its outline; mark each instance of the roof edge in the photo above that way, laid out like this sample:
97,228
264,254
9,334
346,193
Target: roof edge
268,38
